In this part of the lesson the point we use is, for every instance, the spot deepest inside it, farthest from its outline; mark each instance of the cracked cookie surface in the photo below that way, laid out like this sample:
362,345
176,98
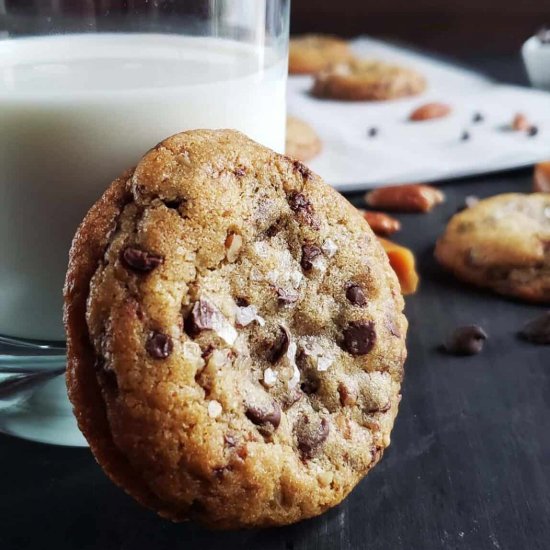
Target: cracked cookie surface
502,243
235,335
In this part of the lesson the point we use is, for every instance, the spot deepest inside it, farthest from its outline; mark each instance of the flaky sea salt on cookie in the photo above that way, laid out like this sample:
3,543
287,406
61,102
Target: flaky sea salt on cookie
235,335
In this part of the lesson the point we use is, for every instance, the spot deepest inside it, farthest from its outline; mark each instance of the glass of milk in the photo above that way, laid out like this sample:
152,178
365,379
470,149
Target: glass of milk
86,88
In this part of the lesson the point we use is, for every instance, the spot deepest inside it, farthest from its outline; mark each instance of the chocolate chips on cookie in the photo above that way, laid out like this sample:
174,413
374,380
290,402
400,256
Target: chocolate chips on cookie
241,338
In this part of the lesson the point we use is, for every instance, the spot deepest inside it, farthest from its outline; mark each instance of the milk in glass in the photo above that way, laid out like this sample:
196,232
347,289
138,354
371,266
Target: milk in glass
77,110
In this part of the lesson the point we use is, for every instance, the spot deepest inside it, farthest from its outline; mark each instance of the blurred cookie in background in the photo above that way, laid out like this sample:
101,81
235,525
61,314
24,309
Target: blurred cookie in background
367,80
311,53
302,142
501,243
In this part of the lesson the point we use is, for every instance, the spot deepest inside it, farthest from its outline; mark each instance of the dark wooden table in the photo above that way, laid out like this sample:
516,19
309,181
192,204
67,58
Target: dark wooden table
468,468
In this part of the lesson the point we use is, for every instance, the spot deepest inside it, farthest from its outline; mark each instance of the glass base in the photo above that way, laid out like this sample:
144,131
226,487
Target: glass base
45,416
33,395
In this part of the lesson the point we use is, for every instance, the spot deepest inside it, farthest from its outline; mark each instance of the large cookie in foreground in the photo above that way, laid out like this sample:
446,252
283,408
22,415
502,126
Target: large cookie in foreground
502,243
235,335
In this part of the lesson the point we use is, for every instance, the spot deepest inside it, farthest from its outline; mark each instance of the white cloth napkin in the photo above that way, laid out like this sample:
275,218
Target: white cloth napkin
405,151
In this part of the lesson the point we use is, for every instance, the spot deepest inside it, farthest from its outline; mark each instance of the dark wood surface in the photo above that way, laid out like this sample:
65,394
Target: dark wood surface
468,468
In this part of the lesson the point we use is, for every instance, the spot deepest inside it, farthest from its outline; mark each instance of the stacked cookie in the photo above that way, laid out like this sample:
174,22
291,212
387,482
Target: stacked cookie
235,335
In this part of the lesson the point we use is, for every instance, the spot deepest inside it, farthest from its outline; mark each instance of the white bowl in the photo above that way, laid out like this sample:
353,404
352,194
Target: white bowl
536,57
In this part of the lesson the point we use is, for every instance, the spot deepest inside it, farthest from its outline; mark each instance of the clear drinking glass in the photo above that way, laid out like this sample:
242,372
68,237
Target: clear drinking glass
86,87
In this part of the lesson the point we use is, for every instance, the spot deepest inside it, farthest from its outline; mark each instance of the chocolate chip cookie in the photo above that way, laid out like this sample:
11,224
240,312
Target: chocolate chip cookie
502,243
311,53
302,142
365,80
235,335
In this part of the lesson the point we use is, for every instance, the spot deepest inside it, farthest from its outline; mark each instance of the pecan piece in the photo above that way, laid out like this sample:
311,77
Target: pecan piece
415,197
520,123
233,245
430,111
381,223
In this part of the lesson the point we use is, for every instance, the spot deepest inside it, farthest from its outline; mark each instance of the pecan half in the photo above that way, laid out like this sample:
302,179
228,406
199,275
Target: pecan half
520,123
430,111
414,197
381,223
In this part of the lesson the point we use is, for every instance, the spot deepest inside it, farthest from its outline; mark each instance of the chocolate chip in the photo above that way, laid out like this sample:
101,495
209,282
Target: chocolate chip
201,318
309,253
302,168
241,301
287,296
311,436
310,385
140,260
303,209
261,415
272,230
467,340
159,345
355,295
477,117
537,330
533,131
280,346
372,132
173,204
359,337
465,136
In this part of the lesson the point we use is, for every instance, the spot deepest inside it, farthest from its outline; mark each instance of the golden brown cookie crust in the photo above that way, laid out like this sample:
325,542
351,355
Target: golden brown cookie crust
168,364
365,80
302,142
502,243
312,53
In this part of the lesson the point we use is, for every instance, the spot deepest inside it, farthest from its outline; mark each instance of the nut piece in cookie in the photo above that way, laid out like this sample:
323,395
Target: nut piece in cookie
214,348
312,53
365,80
405,198
302,142
501,243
